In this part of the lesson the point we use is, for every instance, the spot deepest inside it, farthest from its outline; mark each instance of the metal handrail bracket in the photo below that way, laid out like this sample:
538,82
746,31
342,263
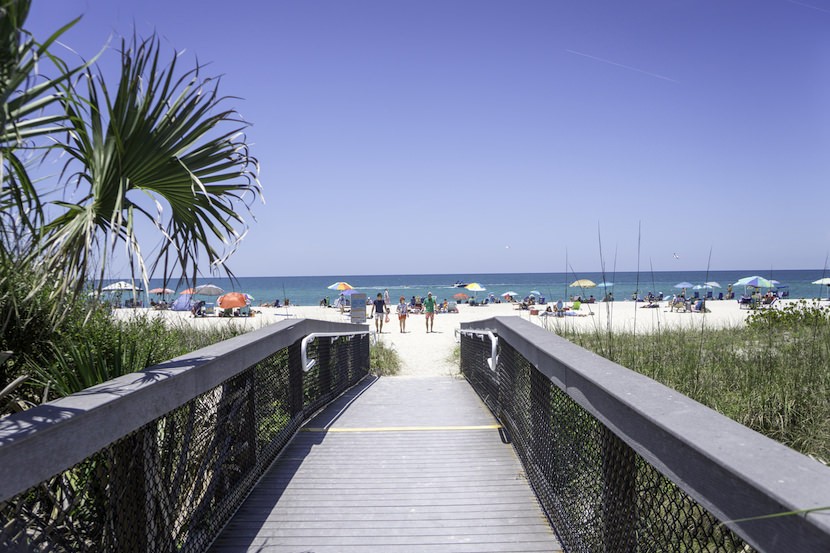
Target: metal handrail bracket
494,344
308,365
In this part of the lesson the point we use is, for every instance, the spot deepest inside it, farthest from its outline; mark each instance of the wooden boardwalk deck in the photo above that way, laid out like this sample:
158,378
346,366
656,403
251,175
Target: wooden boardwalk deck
395,465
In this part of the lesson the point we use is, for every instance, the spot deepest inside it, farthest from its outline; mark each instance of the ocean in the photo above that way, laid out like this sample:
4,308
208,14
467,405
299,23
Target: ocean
310,290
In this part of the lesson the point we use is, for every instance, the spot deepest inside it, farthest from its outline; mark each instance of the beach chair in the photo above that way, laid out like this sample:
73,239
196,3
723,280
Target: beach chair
768,305
699,306
452,307
245,311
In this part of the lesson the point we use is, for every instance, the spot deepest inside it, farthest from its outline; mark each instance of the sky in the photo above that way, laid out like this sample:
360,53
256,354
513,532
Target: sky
481,136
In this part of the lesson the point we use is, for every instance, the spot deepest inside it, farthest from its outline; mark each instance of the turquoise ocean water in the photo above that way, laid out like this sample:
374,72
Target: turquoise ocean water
309,290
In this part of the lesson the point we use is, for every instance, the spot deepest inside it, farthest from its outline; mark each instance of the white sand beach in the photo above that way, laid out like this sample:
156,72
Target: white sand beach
428,354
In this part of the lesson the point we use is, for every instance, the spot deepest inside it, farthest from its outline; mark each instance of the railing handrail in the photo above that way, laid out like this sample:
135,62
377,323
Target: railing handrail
47,439
731,470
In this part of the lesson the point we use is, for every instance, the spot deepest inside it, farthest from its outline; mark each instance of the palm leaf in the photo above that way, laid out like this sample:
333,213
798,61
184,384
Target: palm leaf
153,147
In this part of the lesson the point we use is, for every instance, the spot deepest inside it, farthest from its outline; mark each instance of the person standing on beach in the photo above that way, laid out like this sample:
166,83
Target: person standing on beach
429,311
386,297
402,314
379,312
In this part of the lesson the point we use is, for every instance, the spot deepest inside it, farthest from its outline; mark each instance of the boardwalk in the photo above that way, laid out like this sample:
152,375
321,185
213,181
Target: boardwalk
396,465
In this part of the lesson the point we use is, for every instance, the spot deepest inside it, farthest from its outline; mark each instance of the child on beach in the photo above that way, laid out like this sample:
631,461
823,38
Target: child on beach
402,314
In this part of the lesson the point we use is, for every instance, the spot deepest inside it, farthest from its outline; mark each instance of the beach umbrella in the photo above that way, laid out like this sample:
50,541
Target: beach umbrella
120,287
341,286
209,290
461,296
205,290
161,291
604,284
824,282
536,292
475,287
348,292
511,293
231,300
583,283
712,284
755,281
683,284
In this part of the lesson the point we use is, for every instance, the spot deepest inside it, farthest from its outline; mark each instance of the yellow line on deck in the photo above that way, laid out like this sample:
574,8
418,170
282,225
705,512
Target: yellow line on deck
402,428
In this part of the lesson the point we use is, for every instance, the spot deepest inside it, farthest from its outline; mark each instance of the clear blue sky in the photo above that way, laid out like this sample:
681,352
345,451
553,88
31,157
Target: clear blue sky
473,136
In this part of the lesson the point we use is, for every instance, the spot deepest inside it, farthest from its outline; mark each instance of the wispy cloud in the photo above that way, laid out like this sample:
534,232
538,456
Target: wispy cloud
825,10
630,68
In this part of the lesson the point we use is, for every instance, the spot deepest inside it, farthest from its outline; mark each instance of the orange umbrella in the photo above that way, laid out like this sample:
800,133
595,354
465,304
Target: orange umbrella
231,300
461,296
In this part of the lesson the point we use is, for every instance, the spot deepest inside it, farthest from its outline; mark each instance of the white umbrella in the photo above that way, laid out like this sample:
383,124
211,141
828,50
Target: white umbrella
712,283
208,290
510,293
823,281
120,286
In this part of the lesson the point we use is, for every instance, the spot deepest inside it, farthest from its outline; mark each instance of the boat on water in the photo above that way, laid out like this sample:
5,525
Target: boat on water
460,284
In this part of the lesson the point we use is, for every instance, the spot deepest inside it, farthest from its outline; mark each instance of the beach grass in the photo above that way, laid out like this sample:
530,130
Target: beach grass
383,360
770,374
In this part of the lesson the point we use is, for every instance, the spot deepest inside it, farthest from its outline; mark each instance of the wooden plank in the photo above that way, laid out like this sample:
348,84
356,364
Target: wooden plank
405,465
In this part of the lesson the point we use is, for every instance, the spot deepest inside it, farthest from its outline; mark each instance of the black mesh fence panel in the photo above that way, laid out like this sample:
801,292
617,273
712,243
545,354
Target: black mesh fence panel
171,485
599,494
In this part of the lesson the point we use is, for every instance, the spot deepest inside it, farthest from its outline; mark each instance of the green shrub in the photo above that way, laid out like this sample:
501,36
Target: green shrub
383,360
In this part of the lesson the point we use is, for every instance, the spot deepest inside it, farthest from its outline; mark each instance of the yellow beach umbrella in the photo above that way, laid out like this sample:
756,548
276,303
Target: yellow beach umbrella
583,283
475,287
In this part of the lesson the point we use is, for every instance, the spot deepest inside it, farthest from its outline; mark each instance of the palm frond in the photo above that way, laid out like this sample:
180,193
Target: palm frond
154,147
24,117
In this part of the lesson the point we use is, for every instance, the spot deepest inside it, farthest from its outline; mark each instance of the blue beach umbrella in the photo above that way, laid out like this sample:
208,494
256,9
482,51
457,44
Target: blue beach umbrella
755,281
684,285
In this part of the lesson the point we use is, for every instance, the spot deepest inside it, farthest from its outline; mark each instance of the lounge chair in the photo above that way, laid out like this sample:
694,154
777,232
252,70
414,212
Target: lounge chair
699,307
680,304
768,305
